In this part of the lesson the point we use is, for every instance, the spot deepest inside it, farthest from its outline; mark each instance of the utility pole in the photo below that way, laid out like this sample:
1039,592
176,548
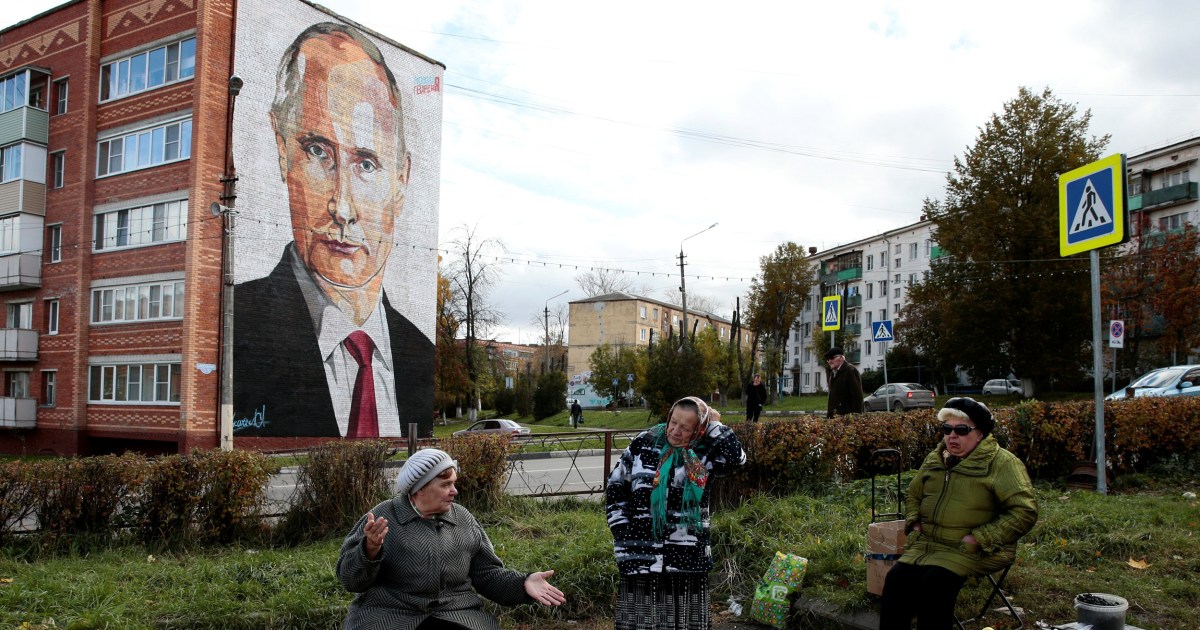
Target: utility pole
546,323
225,209
683,283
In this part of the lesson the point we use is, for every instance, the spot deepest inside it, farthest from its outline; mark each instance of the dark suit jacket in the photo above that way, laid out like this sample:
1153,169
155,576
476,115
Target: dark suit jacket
279,385
845,392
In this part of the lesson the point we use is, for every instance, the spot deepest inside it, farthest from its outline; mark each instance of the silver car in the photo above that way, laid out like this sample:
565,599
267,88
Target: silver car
494,427
1001,387
1179,380
898,397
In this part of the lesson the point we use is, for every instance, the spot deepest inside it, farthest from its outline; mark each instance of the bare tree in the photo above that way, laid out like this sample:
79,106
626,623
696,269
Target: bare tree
473,272
696,302
554,325
600,281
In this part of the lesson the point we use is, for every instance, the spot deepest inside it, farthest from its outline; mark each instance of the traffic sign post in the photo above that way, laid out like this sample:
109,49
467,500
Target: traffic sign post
881,331
1091,215
1116,339
831,315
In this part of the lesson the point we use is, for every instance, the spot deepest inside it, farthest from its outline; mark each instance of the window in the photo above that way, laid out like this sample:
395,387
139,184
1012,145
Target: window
9,230
806,381
912,279
18,384
148,70
16,91
142,149
896,291
20,315
146,225
1176,178
867,347
58,168
49,388
655,314
882,288
51,317
928,247
1173,222
60,97
1136,185
142,382
912,251
10,162
870,290
897,262
870,263
882,314
868,318
896,279
642,333
54,238
883,260
642,312
138,302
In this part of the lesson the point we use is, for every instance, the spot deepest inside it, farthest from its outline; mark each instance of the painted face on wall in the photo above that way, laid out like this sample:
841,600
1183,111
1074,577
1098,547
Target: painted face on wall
341,156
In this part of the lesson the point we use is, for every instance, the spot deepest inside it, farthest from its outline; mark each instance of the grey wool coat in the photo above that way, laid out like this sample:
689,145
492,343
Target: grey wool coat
427,568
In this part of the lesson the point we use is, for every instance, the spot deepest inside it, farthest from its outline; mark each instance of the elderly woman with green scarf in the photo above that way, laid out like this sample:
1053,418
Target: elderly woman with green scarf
657,503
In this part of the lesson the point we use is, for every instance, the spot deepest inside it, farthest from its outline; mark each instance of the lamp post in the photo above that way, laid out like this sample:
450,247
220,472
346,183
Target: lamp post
225,209
683,283
546,320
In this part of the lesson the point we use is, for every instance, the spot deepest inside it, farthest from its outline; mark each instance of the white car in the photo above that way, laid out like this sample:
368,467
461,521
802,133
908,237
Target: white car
494,427
1178,380
1002,387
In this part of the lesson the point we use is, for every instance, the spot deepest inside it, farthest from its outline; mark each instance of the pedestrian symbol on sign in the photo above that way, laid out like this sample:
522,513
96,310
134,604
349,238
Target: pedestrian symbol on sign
831,309
1091,211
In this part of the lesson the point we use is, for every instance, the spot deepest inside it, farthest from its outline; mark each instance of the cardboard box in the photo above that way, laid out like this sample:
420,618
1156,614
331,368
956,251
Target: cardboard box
885,543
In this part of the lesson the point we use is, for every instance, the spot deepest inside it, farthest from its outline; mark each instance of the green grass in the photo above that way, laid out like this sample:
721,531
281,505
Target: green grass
1083,542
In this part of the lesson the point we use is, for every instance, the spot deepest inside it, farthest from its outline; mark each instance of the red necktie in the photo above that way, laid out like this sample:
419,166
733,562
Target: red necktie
364,418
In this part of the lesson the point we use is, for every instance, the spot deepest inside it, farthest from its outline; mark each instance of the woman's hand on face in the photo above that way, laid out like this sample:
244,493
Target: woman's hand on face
542,591
375,530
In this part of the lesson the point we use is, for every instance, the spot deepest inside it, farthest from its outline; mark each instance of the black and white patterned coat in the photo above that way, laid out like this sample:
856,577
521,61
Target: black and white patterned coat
627,502
427,568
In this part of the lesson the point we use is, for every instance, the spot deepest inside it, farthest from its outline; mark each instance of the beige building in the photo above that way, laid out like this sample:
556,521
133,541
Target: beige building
621,319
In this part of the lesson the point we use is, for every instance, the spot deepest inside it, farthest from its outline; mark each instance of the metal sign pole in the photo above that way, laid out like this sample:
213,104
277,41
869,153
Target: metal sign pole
1097,371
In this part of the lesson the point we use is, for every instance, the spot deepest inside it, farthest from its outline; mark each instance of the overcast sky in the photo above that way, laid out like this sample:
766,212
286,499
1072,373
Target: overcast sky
602,134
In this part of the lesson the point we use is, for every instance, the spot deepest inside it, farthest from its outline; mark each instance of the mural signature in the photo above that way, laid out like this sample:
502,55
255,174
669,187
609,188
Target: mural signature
257,422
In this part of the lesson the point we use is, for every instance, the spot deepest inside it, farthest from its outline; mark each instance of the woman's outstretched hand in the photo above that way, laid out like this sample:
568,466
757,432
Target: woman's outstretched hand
542,591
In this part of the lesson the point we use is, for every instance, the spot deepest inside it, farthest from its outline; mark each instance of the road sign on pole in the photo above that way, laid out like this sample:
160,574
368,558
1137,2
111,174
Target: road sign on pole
1116,333
1091,206
881,330
831,309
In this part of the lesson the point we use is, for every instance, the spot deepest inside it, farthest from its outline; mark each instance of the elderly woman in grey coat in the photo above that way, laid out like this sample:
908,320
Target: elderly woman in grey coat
421,561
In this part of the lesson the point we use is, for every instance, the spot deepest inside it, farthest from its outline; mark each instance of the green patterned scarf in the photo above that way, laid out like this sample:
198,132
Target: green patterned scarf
671,458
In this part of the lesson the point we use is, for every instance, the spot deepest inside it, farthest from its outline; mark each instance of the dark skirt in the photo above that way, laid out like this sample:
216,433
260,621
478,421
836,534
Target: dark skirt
664,601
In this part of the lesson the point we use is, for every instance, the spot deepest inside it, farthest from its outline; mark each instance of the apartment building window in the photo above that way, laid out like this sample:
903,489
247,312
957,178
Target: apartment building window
54,242
808,330
1175,178
58,168
912,279
928,247
61,91
867,347
655,311
147,225
870,263
870,290
642,333
20,315
139,302
22,89
896,291
1173,222
882,314
897,249
807,355
883,260
642,312
806,379
869,322
18,384
51,317
148,70
897,262
10,162
9,232
1136,185
882,288
912,251
142,149
132,383
49,388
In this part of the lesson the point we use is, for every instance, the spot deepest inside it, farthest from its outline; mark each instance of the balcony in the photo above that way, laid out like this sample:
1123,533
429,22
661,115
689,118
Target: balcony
854,301
854,329
1187,191
853,273
25,123
18,413
854,356
829,278
20,271
18,344
24,196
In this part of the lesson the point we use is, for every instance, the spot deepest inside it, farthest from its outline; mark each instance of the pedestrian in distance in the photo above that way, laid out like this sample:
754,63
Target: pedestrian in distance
845,385
420,561
576,413
657,501
756,397
966,508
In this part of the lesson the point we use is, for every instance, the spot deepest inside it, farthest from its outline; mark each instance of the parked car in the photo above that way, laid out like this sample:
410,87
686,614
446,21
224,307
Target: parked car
1178,380
901,396
1002,387
499,426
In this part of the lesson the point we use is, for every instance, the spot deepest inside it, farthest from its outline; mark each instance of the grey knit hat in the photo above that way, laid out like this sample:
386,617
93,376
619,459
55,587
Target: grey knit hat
421,468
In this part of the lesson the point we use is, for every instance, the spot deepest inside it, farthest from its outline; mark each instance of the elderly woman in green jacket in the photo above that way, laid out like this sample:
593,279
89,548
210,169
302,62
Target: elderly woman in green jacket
966,508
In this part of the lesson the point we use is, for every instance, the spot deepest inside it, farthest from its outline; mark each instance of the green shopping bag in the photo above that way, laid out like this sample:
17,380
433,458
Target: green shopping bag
773,597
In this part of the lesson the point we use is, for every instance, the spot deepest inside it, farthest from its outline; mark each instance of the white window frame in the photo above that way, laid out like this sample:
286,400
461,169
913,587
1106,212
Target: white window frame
642,312
912,251
118,78
49,388
140,226
151,146
54,242
52,314
62,96
19,315
17,384
135,383
11,157
124,304
58,169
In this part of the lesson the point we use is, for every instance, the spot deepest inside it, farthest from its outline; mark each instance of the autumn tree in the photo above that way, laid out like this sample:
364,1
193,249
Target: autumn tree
610,364
1002,299
473,272
776,298
450,382
673,370
721,359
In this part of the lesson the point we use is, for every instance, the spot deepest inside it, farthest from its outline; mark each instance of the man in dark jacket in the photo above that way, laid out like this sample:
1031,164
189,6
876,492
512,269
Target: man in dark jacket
845,385
756,397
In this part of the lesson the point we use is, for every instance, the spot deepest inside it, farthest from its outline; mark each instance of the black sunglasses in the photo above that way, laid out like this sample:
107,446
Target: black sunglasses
960,429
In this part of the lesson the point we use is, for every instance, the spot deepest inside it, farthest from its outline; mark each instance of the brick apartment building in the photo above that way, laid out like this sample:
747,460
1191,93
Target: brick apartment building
114,119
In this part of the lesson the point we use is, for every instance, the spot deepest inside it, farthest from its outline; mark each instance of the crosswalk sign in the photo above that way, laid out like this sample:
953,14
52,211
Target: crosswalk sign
1091,206
881,330
831,309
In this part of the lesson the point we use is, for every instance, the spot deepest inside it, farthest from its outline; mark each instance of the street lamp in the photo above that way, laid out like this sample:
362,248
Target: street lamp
682,283
546,320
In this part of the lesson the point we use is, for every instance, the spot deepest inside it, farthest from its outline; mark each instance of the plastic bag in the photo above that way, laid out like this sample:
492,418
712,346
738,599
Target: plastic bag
773,597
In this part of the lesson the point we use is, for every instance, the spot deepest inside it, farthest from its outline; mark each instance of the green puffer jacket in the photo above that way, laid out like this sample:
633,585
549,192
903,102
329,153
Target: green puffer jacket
988,494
